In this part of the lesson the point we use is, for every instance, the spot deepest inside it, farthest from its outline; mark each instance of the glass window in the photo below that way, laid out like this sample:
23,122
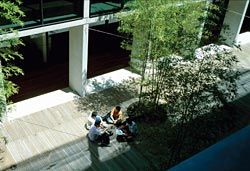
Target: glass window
61,10
100,7
39,12
32,11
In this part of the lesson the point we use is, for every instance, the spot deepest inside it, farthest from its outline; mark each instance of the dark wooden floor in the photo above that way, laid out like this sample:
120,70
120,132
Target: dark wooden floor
105,53
54,77
104,63
41,81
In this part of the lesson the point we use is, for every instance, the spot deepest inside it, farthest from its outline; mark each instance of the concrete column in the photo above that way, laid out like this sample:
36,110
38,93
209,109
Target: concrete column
234,19
86,7
78,58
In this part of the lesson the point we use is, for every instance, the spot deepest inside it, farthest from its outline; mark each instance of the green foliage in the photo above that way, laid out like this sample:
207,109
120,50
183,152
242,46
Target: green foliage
160,29
195,87
165,26
166,35
163,31
9,13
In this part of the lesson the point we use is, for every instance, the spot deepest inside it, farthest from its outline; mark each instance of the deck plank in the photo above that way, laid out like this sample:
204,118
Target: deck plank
56,138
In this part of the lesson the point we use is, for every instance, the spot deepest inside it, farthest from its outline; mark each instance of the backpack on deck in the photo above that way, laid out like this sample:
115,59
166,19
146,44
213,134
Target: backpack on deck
105,139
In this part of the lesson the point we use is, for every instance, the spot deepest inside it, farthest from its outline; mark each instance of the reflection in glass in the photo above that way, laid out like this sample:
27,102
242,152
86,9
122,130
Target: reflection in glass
99,7
60,10
32,11
39,12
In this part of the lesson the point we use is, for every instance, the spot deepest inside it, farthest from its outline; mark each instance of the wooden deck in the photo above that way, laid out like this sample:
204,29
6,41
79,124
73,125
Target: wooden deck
55,139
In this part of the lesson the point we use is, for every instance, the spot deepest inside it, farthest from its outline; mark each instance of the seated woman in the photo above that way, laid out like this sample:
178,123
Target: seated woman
114,117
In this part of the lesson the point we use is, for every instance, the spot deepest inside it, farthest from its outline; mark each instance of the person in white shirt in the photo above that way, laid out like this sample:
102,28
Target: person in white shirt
92,118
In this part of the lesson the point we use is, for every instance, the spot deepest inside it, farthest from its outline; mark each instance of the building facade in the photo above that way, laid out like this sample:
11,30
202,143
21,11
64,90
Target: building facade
66,43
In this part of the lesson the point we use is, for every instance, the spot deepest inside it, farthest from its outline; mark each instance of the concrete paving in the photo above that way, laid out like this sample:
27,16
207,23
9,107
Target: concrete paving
243,55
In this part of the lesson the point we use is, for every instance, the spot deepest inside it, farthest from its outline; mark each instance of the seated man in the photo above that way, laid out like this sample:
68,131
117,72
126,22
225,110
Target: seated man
98,135
114,117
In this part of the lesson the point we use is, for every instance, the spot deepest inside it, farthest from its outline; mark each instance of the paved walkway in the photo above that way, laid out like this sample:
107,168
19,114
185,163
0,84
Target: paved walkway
243,55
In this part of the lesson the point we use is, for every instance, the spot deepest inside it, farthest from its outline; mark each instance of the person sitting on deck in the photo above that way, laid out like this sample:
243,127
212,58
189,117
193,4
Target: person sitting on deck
92,118
114,117
98,135
132,127
127,131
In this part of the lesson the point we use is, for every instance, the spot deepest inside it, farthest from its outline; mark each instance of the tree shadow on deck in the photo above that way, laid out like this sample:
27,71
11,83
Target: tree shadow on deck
81,154
104,100
117,156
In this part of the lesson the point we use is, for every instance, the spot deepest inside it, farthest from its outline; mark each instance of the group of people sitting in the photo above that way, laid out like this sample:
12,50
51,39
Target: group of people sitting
99,127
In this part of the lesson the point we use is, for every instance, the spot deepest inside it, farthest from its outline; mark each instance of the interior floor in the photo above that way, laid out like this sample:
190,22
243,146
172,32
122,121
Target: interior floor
42,77
105,52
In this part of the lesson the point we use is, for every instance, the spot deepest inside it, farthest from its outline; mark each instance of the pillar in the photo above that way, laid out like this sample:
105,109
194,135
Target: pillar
78,58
